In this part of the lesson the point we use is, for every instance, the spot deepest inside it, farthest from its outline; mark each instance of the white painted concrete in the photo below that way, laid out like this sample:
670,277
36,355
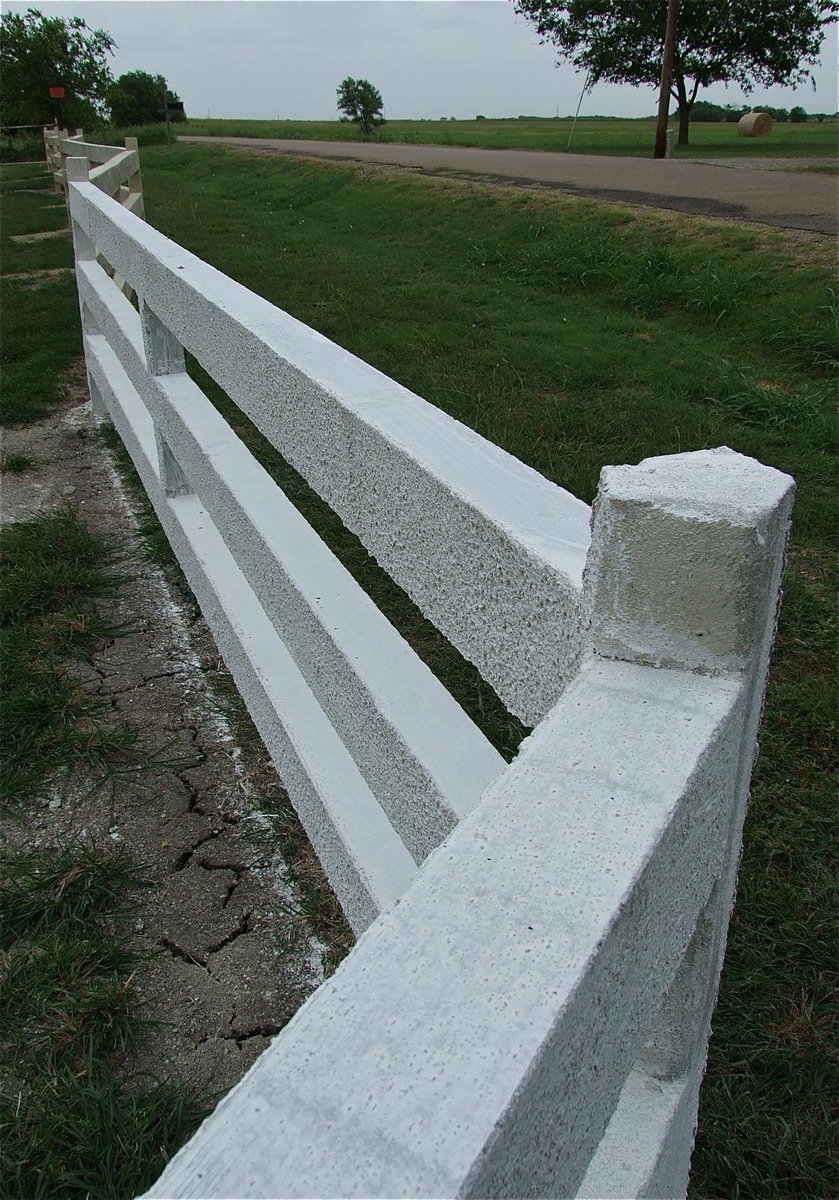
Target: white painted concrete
425,761
366,861
477,1039
686,546
481,542
528,1015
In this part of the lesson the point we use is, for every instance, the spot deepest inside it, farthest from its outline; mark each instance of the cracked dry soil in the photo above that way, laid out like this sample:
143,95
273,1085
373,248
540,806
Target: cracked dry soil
230,956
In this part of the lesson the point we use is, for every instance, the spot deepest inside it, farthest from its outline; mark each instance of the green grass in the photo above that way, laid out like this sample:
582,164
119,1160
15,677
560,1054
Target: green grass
15,463
601,135
39,334
577,334
72,1123
55,574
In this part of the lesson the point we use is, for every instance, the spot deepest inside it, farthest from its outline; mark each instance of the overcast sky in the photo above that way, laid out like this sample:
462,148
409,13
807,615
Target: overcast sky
428,58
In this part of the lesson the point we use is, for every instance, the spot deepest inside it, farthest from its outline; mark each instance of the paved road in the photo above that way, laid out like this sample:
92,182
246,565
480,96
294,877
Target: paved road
791,198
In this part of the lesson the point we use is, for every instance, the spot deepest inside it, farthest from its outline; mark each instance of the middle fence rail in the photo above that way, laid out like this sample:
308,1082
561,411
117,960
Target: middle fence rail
527,1012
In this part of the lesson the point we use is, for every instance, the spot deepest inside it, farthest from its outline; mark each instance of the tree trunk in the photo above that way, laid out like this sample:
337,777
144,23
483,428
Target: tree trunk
685,106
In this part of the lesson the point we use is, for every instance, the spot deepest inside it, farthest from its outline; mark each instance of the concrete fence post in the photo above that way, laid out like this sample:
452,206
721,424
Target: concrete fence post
78,171
135,183
164,356
685,573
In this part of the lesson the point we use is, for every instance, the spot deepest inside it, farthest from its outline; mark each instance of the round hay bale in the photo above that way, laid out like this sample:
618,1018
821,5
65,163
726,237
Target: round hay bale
755,124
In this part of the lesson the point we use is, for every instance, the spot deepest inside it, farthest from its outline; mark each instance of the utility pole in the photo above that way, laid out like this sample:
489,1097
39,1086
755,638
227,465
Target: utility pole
666,79
166,115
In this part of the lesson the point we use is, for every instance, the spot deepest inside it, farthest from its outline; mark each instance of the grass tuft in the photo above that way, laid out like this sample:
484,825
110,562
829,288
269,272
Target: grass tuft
55,574
16,463
71,1123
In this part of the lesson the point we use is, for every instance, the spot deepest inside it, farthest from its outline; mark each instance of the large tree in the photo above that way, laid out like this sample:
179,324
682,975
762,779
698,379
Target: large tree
38,53
137,99
359,101
746,42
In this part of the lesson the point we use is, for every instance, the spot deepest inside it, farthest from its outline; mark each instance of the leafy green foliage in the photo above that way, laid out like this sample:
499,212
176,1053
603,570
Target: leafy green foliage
137,99
718,41
38,52
360,102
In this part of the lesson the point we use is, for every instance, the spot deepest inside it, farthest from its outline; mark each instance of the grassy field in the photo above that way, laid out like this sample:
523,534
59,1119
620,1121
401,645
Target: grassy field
601,135
577,334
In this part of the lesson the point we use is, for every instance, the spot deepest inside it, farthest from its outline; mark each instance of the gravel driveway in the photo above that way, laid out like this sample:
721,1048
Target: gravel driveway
782,195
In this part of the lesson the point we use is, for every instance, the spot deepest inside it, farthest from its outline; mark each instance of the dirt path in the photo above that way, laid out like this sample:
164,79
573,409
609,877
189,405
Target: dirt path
232,959
786,197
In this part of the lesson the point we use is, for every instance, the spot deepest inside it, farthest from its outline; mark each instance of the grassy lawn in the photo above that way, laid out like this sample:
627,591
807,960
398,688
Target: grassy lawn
599,135
577,334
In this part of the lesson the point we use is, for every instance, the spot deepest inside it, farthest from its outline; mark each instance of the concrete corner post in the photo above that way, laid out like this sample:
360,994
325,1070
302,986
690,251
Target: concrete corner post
686,560
684,573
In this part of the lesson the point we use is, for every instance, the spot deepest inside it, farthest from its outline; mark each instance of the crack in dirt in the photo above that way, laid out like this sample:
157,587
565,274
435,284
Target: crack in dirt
178,952
244,926
183,859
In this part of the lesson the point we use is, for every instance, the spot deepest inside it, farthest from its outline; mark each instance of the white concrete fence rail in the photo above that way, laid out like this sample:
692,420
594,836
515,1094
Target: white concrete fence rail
113,169
527,1012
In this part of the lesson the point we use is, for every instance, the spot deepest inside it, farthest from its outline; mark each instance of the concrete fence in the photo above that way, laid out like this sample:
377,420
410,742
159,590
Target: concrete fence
113,169
527,1008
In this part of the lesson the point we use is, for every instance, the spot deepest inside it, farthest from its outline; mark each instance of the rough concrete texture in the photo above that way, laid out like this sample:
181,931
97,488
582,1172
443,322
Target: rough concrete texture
366,861
477,1038
496,1013
481,1038
686,546
231,961
483,544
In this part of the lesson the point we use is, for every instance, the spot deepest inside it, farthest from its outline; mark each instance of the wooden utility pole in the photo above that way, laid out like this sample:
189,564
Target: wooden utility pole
666,79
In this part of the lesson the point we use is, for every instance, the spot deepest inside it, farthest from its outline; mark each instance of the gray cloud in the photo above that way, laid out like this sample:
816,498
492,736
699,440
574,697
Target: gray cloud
428,58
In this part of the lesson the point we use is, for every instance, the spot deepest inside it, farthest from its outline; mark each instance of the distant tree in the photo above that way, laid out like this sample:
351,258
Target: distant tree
38,53
718,41
797,115
137,99
359,101
704,111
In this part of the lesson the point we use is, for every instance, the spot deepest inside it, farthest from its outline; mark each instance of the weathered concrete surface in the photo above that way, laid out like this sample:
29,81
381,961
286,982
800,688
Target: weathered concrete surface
479,1039
791,199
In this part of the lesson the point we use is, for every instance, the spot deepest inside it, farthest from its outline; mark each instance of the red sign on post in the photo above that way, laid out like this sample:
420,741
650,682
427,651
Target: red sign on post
56,93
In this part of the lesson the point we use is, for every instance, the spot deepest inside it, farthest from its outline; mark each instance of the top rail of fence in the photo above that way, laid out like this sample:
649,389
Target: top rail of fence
482,543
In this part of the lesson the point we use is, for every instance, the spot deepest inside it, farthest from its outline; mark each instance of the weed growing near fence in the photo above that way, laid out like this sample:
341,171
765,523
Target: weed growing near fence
55,573
576,334
15,463
71,1124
